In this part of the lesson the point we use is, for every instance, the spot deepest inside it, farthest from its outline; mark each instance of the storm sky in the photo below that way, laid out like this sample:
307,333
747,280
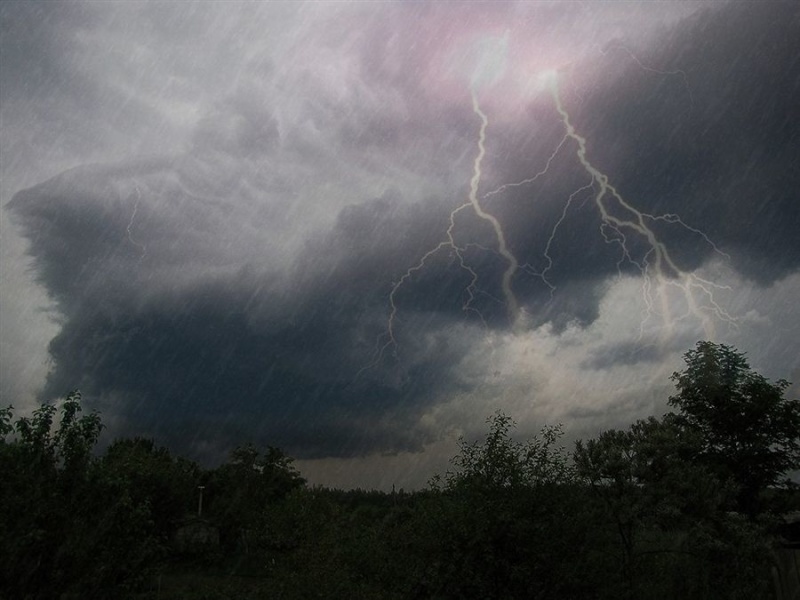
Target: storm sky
356,230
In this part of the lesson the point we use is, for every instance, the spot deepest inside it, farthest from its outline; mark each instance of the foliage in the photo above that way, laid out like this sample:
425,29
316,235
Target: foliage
150,478
668,486
656,500
334,544
501,462
45,475
240,491
5,423
504,523
671,507
750,433
650,469
72,525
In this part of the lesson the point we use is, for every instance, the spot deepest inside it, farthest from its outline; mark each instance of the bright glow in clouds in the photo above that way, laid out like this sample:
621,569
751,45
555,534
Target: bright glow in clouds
492,57
546,80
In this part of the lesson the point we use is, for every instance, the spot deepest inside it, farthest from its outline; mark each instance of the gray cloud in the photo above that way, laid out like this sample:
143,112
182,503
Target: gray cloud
235,281
698,125
163,308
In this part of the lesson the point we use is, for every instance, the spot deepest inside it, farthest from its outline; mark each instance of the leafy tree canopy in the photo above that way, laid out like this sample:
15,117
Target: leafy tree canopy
501,462
749,432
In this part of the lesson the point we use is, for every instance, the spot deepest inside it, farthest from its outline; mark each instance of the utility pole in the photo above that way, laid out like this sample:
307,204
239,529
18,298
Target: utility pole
200,503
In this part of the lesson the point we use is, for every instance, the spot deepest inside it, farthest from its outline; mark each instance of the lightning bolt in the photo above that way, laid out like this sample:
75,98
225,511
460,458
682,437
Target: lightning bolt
678,72
130,224
449,243
657,267
543,273
620,220
502,246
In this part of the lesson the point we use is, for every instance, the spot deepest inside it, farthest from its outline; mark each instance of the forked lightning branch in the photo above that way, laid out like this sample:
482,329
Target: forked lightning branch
622,224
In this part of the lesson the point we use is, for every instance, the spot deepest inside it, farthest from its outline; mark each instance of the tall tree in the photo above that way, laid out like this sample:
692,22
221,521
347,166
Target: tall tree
653,495
240,490
749,432
506,522
71,526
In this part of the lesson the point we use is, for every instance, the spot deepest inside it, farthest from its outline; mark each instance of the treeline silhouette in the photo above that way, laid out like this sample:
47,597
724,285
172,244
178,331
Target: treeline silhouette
685,506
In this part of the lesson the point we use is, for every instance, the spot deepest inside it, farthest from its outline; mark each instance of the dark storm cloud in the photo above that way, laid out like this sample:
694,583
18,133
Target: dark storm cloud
730,164
193,303
626,353
162,315
34,37
699,124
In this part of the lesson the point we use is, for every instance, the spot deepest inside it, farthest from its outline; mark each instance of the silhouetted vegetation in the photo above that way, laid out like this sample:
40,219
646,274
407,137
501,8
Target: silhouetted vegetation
683,506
